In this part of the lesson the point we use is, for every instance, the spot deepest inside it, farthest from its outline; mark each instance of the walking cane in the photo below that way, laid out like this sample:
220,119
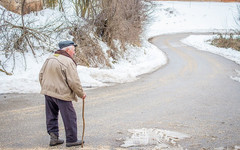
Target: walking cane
83,121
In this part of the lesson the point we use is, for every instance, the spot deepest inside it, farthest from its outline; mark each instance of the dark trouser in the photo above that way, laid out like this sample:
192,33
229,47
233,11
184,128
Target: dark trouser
53,105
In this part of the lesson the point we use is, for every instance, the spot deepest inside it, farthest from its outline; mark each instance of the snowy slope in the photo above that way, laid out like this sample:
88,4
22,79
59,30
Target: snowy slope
173,17
167,17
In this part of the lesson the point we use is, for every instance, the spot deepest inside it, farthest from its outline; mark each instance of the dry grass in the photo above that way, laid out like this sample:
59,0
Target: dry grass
88,52
122,20
113,20
227,42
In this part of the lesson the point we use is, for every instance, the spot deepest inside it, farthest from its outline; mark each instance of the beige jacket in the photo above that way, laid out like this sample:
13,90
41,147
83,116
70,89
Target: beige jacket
59,79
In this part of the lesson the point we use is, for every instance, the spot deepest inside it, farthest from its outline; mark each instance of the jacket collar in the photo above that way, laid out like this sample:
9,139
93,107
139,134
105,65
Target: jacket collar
64,53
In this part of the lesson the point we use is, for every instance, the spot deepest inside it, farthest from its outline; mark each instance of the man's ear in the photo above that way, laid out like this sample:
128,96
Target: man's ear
67,50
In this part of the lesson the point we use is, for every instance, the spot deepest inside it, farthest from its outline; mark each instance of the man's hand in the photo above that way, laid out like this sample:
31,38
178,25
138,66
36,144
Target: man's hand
84,96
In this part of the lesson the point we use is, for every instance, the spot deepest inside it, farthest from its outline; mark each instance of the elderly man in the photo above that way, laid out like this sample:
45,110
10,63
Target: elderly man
60,84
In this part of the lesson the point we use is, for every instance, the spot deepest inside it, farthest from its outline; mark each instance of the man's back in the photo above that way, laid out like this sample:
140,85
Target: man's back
55,75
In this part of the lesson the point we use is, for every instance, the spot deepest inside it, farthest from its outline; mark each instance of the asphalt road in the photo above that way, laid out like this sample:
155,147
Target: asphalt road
192,94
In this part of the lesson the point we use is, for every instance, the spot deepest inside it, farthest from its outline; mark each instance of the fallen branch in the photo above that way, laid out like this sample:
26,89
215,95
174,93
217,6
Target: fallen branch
7,73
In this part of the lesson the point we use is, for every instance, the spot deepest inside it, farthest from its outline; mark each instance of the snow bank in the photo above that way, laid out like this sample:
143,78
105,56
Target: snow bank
137,61
154,138
25,78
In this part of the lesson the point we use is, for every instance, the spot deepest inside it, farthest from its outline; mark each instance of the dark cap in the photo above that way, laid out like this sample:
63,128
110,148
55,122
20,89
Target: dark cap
63,44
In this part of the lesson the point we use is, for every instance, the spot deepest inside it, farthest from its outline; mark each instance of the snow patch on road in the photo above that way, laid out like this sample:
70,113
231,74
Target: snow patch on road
154,138
236,78
228,148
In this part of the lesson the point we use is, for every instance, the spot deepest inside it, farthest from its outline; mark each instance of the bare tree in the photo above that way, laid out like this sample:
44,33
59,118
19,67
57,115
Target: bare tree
121,20
86,8
110,21
19,36
54,3
106,20
50,3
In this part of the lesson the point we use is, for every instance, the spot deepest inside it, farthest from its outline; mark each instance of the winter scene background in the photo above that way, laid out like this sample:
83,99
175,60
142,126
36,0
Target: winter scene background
166,18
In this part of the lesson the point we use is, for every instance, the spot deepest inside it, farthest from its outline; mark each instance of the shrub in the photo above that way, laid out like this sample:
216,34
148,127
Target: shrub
225,41
114,20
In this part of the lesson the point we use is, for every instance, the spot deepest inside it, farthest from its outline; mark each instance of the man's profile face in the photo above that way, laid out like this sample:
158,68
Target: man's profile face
71,51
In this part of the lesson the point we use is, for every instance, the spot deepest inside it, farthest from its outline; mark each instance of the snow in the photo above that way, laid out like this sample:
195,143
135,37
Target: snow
134,63
167,17
155,138
175,17
237,77
226,148
25,79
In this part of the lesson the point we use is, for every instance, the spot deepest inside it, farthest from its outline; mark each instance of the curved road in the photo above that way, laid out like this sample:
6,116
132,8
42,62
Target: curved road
192,94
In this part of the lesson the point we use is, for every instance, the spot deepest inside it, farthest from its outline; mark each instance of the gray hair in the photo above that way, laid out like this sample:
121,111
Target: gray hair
68,47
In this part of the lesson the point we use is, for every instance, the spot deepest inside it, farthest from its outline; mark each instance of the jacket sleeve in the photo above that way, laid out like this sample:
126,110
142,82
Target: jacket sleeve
41,72
73,80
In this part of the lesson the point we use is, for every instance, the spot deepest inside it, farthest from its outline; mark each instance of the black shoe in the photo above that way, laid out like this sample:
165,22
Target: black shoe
77,143
54,140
